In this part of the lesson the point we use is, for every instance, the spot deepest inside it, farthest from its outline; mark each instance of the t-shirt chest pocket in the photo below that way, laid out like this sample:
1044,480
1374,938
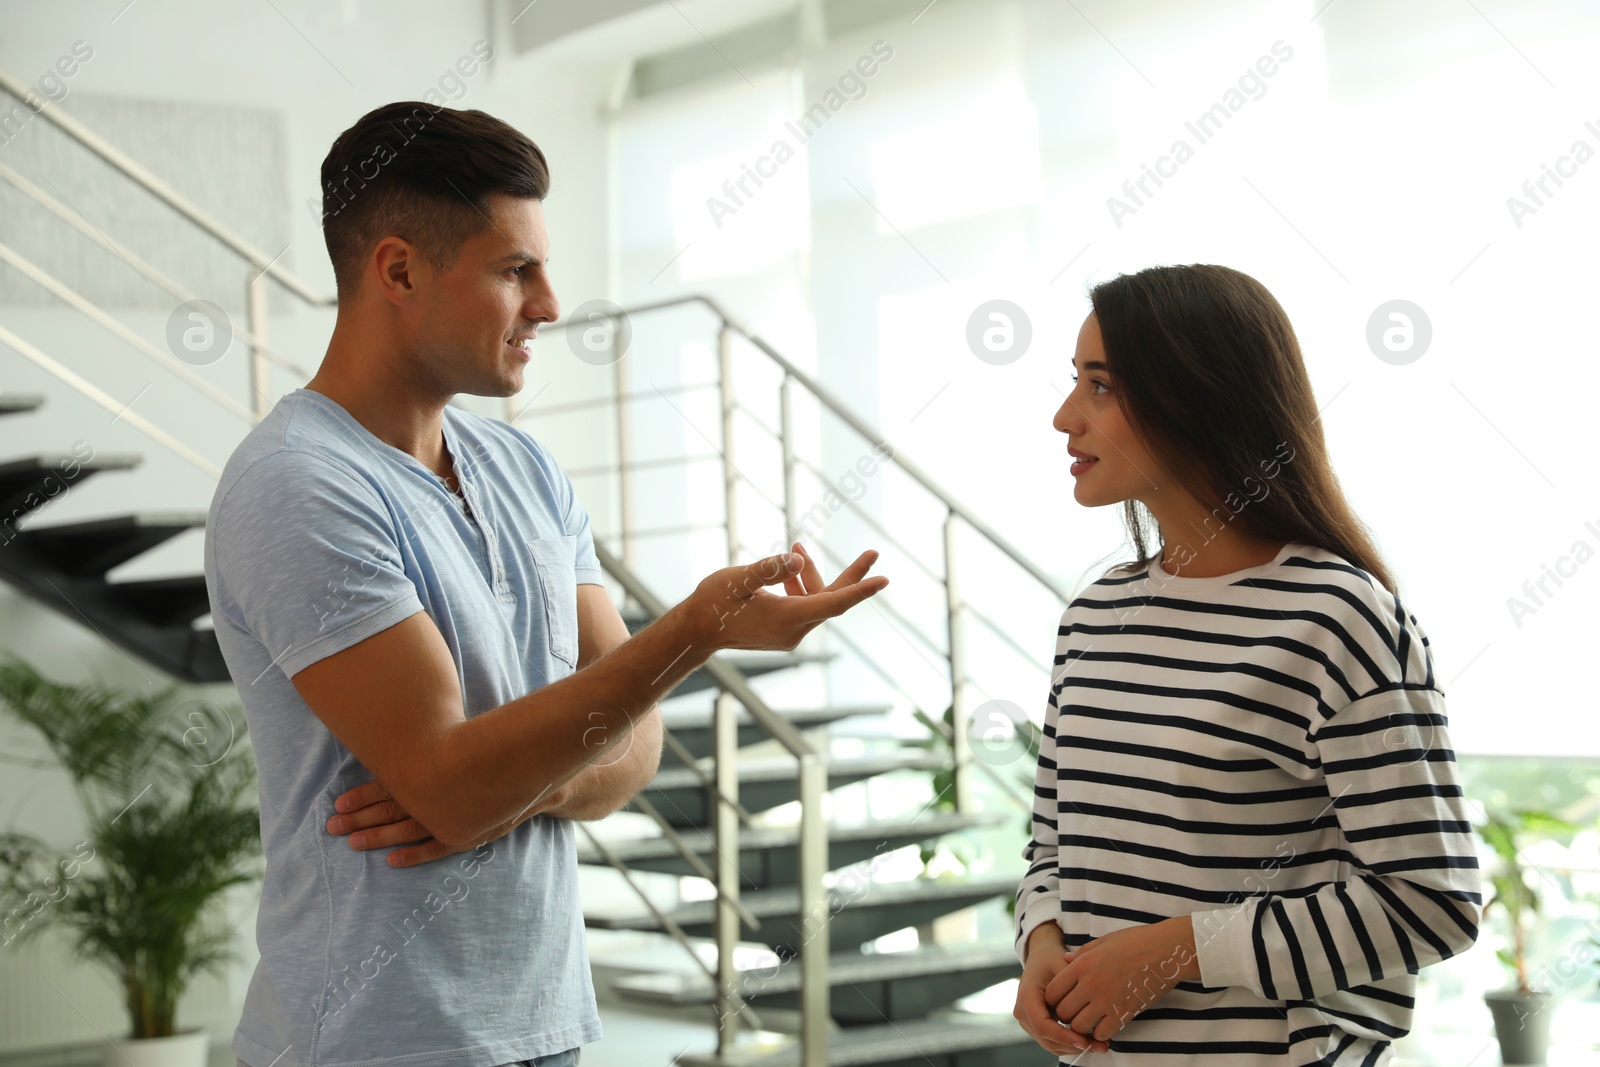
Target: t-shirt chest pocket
553,565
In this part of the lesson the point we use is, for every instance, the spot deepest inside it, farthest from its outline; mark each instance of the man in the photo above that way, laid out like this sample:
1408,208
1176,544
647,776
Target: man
409,600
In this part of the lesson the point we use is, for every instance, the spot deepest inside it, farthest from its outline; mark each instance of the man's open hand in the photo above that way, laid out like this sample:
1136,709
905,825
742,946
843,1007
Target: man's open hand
733,609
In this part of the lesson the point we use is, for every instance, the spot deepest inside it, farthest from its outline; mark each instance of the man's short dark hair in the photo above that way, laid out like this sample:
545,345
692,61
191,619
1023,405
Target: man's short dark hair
423,173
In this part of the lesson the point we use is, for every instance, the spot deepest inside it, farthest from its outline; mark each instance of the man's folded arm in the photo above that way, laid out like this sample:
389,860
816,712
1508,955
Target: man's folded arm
394,700
463,778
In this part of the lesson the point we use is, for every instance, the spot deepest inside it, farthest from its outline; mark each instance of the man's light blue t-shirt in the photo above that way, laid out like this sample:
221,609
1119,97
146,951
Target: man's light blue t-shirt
321,535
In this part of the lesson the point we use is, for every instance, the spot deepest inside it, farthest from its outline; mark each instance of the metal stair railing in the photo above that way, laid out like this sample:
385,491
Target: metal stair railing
265,264
73,299
262,265
143,267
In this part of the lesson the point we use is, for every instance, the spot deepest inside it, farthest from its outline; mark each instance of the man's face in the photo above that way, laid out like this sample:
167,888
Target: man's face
476,314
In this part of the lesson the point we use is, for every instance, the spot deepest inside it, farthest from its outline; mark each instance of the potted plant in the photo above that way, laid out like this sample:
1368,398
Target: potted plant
1521,1012
166,792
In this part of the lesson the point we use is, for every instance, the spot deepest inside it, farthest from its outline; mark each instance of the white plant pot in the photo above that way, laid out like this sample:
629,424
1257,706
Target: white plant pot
180,1050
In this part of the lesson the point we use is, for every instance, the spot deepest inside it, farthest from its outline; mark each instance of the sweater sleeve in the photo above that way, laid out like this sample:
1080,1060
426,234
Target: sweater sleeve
1412,894
1039,895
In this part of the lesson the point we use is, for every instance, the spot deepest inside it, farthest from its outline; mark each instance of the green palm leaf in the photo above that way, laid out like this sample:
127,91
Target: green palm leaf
166,786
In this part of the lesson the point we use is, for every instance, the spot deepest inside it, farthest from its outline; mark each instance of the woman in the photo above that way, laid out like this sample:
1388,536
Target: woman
1248,832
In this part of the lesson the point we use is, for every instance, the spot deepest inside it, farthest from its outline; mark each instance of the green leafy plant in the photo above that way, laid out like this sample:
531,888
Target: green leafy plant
166,790
943,779
1516,889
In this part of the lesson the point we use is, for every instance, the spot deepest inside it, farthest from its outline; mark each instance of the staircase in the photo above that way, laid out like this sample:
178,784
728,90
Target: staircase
886,1007
881,1006
811,898
64,566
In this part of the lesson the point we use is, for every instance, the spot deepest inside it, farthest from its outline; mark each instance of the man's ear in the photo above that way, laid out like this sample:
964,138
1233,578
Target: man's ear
399,267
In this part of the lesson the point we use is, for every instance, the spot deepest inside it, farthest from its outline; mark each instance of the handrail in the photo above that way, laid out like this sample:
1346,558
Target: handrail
146,269
840,409
72,297
258,259
813,998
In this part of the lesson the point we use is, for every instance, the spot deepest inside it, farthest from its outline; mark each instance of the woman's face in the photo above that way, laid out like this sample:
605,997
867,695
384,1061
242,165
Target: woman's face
1110,464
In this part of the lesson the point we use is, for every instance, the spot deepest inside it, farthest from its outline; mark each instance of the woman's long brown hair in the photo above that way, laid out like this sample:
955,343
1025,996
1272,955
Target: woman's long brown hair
1209,373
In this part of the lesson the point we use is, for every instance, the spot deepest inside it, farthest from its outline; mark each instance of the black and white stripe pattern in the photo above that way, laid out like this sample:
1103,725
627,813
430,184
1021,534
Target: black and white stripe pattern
1266,752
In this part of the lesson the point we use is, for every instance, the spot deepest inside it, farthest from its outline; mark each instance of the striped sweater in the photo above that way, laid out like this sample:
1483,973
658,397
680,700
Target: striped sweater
1265,751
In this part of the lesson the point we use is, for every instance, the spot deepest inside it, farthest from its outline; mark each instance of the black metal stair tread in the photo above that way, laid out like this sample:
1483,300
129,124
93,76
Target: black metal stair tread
858,1046
172,581
17,403
174,601
25,482
116,523
45,462
781,901
697,719
95,546
784,768
934,823
842,970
